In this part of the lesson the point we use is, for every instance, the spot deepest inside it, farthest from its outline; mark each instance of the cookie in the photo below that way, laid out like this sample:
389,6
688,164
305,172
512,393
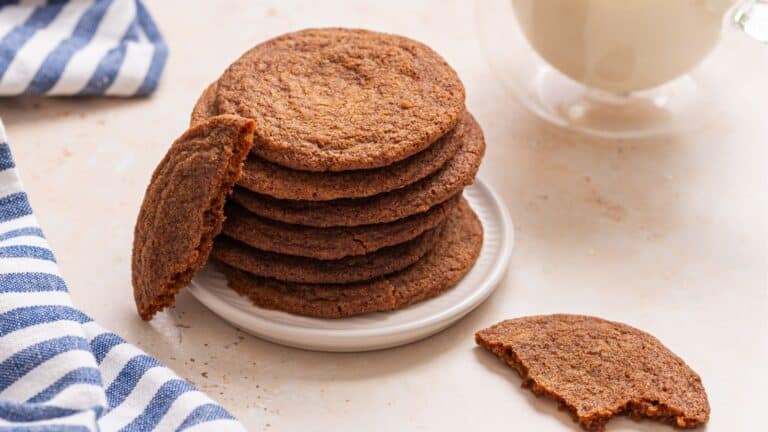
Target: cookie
308,270
452,257
183,208
205,106
597,369
329,243
339,99
276,181
279,182
387,207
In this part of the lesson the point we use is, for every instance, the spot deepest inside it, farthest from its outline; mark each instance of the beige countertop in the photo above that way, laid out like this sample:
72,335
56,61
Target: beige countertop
669,235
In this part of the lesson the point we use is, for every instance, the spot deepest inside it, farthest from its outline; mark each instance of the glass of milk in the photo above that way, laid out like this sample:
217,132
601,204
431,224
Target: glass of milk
616,68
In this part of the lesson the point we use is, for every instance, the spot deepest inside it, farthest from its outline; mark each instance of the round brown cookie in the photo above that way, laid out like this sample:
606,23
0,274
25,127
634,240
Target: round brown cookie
183,208
274,180
387,207
340,99
308,270
277,181
597,369
454,254
204,107
329,243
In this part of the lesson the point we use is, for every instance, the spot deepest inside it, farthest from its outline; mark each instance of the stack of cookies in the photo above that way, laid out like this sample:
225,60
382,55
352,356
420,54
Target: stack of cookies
350,200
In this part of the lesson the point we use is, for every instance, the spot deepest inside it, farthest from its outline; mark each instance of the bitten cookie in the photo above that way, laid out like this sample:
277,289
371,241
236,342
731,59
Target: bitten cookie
339,99
270,179
597,369
329,243
387,207
183,208
451,258
308,270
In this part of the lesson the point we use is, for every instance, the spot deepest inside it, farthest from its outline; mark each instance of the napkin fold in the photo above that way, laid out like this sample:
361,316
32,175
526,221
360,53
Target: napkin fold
79,48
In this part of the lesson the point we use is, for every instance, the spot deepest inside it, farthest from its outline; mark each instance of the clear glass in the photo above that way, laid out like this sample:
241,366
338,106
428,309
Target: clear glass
618,69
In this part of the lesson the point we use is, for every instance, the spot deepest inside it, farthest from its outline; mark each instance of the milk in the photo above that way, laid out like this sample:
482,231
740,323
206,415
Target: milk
622,46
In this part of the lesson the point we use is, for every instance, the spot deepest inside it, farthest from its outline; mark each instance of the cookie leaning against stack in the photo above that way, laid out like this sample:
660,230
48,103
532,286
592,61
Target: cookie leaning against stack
350,199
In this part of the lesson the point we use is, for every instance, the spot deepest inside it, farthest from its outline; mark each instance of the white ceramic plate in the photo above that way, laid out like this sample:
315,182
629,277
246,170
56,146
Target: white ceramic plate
376,330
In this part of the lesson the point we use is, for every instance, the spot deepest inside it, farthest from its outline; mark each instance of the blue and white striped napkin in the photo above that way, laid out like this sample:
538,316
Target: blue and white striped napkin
59,370
79,47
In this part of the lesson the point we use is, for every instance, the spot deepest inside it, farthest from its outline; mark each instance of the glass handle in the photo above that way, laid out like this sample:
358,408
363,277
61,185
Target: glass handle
752,17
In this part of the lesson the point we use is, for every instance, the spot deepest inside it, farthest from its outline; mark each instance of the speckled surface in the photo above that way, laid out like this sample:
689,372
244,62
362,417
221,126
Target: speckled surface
667,235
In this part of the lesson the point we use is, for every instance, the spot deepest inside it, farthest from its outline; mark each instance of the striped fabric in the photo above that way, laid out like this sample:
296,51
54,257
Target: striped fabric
59,370
79,47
